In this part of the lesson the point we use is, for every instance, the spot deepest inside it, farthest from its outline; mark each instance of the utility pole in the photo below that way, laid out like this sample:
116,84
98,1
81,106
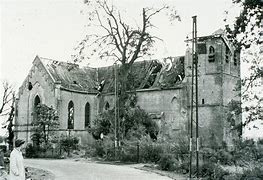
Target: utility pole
194,101
196,93
115,110
192,111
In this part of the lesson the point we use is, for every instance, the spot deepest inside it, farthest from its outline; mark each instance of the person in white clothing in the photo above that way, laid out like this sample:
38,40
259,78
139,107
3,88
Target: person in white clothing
17,169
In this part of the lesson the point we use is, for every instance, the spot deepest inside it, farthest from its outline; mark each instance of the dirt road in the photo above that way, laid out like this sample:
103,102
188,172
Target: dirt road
76,170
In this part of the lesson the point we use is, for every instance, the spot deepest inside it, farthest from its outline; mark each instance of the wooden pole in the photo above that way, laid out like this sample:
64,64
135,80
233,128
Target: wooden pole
115,111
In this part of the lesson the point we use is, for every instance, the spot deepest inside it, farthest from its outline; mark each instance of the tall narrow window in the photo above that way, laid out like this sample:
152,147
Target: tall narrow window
235,58
107,106
211,55
70,115
36,103
87,115
201,48
227,55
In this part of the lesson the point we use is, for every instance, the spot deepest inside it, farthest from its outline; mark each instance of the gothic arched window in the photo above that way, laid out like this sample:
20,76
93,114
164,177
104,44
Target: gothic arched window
227,55
235,58
211,55
70,115
107,106
36,103
211,50
87,115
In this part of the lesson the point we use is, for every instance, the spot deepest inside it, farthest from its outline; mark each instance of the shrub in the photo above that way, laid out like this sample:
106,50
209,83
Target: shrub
168,163
31,151
129,152
98,148
102,148
184,167
255,173
68,143
224,157
151,151
211,171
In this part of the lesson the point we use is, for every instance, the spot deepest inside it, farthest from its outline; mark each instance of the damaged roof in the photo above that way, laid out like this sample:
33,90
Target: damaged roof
143,75
71,76
147,74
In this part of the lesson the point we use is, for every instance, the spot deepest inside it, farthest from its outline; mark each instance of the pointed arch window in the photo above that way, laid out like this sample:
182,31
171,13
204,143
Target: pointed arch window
227,55
235,58
87,115
211,55
36,103
70,115
107,106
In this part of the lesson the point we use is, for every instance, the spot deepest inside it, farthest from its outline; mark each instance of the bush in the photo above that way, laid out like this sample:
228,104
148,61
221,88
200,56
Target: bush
168,163
98,148
184,167
221,155
31,151
129,152
255,173
68,143
212,171
151,151
224,157
103,148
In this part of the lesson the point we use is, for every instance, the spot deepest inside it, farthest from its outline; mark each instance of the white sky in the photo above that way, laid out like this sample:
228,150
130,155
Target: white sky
52,28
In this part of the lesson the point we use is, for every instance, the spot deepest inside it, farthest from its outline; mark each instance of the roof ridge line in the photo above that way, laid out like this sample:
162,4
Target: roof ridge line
53,79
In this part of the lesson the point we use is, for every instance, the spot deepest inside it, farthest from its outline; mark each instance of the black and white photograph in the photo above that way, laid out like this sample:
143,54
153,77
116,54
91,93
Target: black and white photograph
131,89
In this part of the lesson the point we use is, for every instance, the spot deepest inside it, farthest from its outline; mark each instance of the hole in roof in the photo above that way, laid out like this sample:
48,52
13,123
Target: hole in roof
75,82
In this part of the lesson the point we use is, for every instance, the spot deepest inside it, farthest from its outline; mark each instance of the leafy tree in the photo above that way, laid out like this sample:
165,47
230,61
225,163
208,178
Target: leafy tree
136,123
247,34
233,116
246,28
44,124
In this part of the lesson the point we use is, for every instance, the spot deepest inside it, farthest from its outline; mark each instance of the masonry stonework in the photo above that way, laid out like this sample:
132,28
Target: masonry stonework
57,83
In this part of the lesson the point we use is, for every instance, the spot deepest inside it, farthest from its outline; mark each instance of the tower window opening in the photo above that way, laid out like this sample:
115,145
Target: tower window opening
203,101
211,55
201,48
107,106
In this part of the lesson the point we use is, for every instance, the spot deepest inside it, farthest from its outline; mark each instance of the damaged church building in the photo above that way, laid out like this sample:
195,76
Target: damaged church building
163,89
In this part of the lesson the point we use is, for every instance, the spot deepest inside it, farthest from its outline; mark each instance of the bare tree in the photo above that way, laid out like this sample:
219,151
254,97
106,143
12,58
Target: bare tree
119,40
115,38
8,110
6,99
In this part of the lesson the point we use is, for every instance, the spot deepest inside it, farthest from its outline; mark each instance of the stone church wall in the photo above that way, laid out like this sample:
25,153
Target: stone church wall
42,87
79,100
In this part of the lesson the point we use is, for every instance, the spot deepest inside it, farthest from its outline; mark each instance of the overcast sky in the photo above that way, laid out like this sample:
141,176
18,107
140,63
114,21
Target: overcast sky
52,28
